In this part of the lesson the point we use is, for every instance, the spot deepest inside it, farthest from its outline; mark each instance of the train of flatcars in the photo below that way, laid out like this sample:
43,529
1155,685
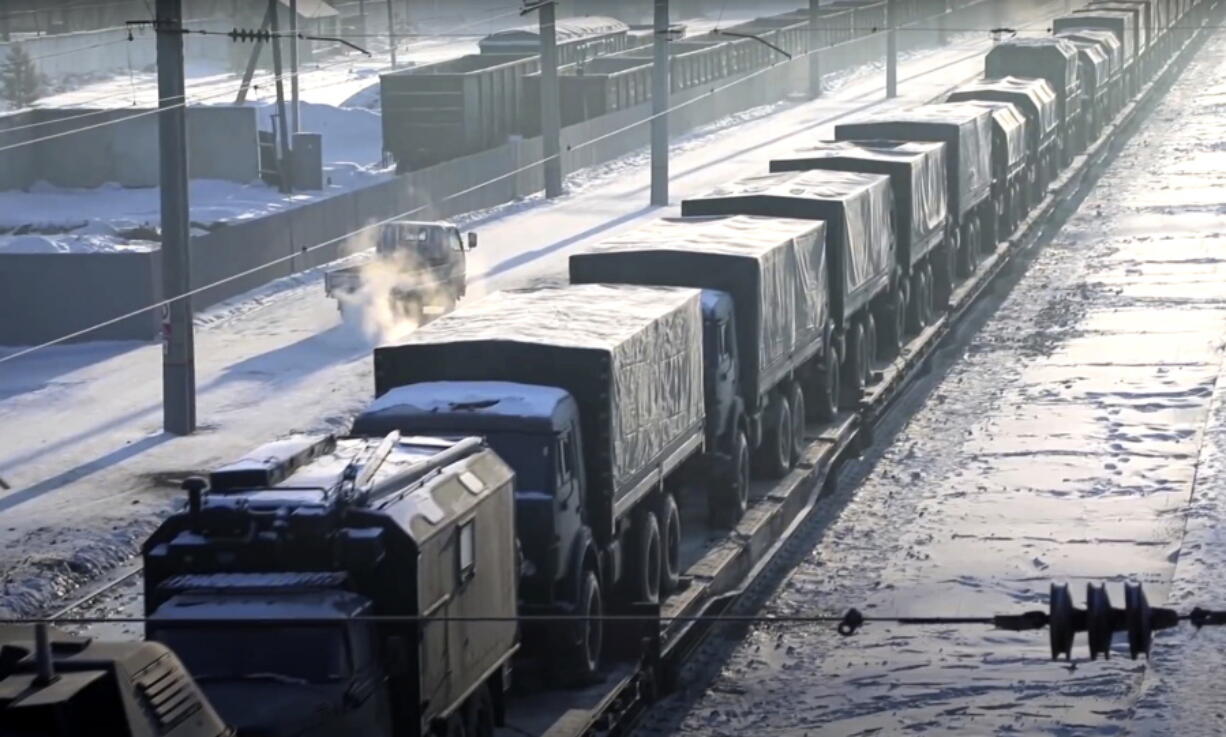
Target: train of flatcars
453,108
531,459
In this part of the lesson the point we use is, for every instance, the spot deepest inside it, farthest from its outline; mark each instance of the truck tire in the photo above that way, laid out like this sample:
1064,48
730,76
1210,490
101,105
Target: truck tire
670,544
728,504
916,321
823,405
646,554
774,456
479,713
870,347
969,253
893,325
584,636
796,397
853,369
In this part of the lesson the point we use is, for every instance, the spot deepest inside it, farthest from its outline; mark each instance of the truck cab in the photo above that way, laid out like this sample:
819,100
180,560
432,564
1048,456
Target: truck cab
422,267
320,586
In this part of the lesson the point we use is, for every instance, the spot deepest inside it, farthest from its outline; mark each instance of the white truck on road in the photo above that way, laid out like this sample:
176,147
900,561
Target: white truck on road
418,266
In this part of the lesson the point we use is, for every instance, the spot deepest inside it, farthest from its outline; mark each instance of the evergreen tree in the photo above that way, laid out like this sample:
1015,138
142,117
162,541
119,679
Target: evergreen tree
20,82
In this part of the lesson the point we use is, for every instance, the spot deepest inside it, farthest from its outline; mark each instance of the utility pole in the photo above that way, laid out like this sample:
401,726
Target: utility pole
551,114
293,64
286,164
364,29
178,343
659,106
891,49
815,57
391,30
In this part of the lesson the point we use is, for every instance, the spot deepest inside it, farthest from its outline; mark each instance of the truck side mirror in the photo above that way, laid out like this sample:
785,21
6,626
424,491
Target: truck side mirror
472,240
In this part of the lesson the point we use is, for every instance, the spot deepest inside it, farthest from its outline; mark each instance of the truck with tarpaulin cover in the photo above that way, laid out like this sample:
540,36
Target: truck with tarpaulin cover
858,212
1095,68
594,395
921,212
1010,175
767,331
1055,60
1034,97
320,585
967,135
1109,46
1118,24
1148,57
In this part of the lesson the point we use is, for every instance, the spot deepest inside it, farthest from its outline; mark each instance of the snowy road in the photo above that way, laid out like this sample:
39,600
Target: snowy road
1074,438
90,470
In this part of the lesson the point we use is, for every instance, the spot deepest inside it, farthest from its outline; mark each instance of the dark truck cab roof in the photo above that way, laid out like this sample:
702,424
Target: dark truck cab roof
917,176
857,209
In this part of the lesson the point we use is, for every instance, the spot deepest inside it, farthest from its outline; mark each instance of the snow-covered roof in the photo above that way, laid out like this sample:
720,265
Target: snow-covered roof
502,398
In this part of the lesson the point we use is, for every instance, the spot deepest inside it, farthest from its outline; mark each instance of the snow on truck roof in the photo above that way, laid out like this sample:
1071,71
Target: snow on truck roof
599,316
819,185
1039,91
747,236
502,398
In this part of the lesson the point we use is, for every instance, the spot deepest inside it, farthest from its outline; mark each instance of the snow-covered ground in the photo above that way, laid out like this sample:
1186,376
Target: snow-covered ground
90,470
339,100
1075,435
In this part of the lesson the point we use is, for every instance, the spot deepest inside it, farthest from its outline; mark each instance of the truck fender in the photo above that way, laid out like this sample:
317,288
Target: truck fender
583,555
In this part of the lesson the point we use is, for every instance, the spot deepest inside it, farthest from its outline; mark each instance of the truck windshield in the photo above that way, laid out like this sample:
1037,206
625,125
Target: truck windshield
529,455
314,654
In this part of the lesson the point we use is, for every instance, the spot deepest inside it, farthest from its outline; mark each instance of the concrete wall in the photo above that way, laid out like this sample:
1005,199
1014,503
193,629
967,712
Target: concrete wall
289,236
222,144
44,296
107,50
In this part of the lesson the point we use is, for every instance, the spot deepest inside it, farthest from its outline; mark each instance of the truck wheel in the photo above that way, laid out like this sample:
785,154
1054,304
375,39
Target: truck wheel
853,369
870,347
969,253
775,455
731,499
915,309
927,305
479,713
670,544
893,325
585,636
645,580
797,399
825,382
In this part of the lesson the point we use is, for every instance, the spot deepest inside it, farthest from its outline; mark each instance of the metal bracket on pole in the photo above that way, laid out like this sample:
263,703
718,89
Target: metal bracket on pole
660,86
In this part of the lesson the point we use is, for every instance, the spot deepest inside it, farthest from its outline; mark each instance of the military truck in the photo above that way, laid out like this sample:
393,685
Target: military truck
1053,59
1143,30
1095,67
770,362
1010,169
917,177
594,395
54,684
1036,100
1120,24
1111,49
418,267
967,135
862,279
312,587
